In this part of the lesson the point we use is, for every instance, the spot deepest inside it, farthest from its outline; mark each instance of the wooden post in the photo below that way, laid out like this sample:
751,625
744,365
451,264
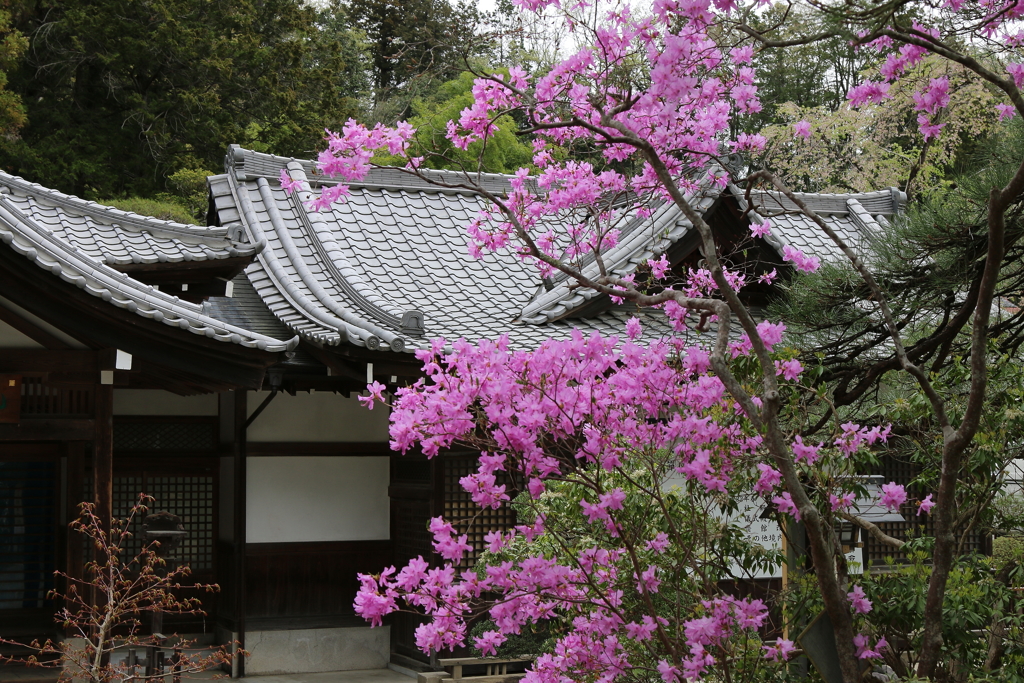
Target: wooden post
103,466
74,494
238,452
103,455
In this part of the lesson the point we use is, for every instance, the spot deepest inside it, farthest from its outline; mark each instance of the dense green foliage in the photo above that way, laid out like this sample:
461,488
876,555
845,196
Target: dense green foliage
120,94
413,45
505,152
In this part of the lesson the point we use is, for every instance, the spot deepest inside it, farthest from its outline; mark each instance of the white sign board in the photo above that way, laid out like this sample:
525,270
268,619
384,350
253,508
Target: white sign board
766,533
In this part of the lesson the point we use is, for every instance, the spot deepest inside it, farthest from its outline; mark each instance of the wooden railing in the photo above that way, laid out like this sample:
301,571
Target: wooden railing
39,399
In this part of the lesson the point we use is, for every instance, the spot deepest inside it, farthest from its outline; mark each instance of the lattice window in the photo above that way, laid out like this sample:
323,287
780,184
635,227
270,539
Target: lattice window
165,436
38,398
190,497
467,517
903,472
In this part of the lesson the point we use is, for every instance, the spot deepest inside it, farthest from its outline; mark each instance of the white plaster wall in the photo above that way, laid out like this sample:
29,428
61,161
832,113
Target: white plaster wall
316,416
159,402
11,338
311,498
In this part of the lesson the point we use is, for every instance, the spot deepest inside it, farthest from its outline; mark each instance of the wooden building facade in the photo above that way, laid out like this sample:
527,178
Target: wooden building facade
215,368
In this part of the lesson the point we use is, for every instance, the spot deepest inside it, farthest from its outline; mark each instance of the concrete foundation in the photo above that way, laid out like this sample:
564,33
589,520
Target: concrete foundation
317,650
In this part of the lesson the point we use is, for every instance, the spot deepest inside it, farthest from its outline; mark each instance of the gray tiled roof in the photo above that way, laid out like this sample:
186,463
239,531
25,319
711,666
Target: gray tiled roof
79,241
856,218
397,250
119,238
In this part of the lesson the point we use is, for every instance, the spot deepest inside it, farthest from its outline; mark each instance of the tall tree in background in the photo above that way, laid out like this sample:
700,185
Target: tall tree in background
12,47
120,94
812,74
414,45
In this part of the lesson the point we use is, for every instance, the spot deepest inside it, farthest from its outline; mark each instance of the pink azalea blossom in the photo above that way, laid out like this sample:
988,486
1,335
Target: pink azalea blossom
660,267
668,673
1006,111
376,390
934,97
843,502
1016,71
802,129
860,641
859,601
929,129
287,184
784,503
925,506
488,642
762,229
633,328
868,92
769,479
808,264
648,580
790,369
659,543
893,496
807,453
780,652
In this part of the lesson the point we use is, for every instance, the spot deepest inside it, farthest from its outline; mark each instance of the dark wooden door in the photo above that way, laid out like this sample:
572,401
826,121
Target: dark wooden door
29,536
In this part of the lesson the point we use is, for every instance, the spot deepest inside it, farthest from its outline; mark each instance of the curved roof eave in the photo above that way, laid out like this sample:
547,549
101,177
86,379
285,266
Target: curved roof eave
27,237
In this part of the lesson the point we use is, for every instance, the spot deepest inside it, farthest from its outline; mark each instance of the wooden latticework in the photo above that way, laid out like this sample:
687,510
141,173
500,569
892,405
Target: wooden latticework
903,472
150,434
467,517
39,399
190,498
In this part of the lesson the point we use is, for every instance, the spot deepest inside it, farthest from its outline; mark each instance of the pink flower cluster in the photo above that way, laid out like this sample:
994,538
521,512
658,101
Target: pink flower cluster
592,392
724,616
893,496
854,437
859,601
449,546
808,264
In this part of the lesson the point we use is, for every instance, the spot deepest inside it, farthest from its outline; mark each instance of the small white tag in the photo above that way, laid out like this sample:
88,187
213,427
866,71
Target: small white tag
123,360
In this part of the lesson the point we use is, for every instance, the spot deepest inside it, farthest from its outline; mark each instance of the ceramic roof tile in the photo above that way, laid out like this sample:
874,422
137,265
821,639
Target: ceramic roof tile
80,252
397,247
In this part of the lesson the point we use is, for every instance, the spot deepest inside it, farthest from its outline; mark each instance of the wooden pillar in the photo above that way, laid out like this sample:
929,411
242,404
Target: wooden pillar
241,414
103,455
74,495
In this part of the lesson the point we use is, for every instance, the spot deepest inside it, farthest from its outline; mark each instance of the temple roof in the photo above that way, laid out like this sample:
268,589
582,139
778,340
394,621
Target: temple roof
389,268
85,243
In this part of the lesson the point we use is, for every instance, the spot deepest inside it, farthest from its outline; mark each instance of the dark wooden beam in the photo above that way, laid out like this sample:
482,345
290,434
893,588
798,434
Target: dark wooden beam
103,454
239,453
349,362
39,360
185,271
48,430
99,324
256,449
31,330
74,495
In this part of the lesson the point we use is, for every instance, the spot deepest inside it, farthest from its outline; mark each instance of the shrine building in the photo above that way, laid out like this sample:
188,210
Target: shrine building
217,368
